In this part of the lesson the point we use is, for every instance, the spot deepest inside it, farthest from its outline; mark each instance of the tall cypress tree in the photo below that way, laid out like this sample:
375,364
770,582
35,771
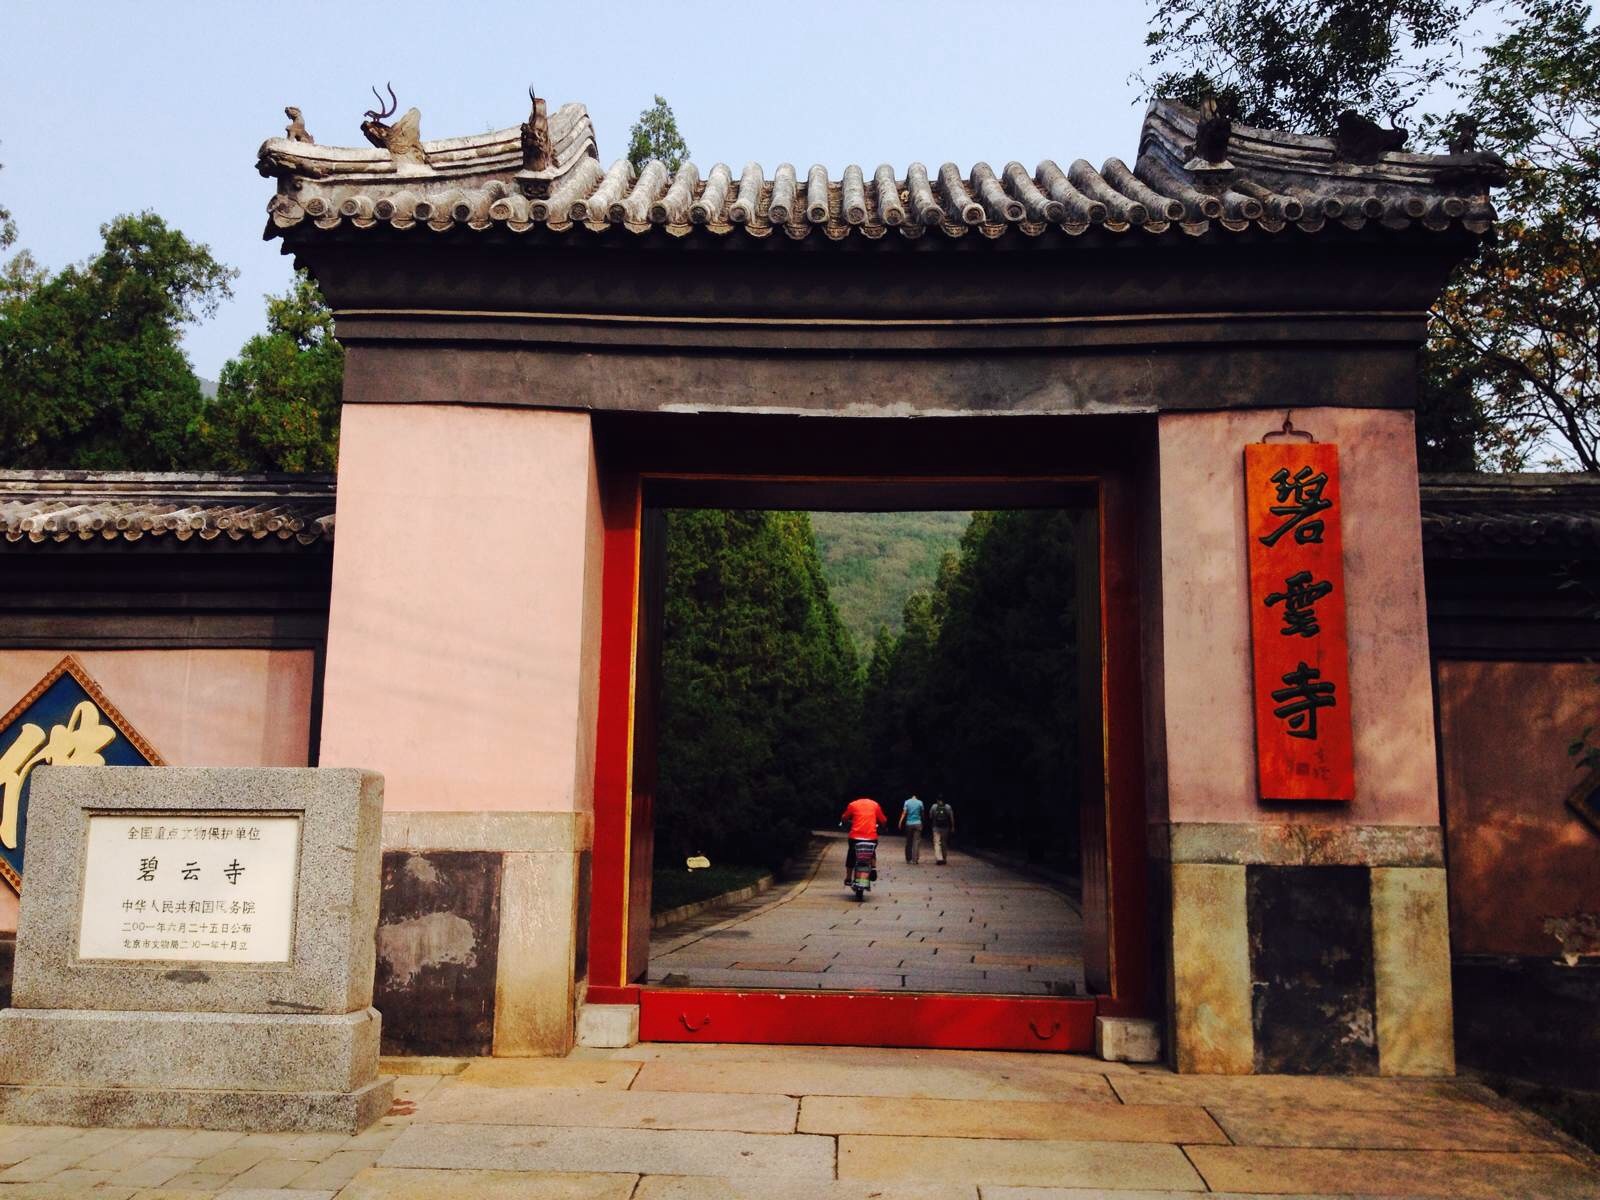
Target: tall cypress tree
760,689
977,699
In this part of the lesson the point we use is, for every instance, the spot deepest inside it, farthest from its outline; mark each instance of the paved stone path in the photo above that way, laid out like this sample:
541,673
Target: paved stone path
968,926
668,1122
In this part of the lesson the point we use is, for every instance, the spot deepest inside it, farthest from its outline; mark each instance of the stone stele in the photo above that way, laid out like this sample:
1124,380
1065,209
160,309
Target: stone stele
195,950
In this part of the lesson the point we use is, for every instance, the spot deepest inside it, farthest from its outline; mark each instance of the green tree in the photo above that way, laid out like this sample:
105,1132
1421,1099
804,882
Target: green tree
1525,311
8,227
655,135
1297,64
277,404
91,371
758,729
977,699
20,273
1512,366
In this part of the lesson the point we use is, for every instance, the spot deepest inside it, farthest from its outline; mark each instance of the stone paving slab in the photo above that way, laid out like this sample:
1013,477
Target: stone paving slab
1466,1176
704,1187
160,1170
387,1183
467,1104
412,1064
275,1174
1071,1193
948,1125
1008,1119
1108,1165
549,1072
1161,1087
727,977
638,1151
1432,1128
824,1078
992,1062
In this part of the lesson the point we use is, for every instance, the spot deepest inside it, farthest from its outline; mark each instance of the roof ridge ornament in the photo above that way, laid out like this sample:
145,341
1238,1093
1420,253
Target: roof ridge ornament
1359,139
403,139
537,154
296,131
1209,152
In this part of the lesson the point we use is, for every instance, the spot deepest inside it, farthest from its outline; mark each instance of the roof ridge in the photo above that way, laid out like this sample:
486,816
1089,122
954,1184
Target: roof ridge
1268,180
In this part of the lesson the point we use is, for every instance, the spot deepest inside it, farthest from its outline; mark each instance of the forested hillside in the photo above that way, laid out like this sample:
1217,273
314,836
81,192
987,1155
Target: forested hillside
873,561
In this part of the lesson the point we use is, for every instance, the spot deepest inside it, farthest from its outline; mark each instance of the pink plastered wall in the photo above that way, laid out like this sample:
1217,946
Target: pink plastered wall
197,708
1205,630
464,624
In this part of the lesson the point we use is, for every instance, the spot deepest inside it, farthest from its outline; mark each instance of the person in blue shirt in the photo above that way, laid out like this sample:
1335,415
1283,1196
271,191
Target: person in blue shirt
911,822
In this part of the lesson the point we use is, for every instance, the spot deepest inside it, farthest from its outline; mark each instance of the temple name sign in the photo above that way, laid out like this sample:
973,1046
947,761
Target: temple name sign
189,887
1294,509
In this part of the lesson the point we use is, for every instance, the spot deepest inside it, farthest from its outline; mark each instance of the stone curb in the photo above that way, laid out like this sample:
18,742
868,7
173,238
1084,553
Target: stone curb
684,911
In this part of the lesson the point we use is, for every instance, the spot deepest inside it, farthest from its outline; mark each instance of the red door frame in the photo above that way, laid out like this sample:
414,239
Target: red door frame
1120,953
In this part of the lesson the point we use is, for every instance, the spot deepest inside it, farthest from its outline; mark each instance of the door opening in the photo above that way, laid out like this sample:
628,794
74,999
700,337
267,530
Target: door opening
1011,943
921,669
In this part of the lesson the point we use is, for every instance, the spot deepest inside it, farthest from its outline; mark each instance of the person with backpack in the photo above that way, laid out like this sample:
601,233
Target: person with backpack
943,818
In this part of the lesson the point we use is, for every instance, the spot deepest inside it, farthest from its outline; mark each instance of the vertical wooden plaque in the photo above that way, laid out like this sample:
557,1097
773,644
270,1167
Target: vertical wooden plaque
1300,645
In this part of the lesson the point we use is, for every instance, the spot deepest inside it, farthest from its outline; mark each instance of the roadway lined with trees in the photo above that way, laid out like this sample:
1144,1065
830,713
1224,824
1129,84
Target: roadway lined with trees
770,723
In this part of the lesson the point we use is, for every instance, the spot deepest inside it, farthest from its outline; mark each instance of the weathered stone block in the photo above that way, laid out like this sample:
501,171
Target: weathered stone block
330,968
1211,1029
1411,962
185,1108
1127,1039
528,932
438,951
538,928
1312,989
608,1026
238,1051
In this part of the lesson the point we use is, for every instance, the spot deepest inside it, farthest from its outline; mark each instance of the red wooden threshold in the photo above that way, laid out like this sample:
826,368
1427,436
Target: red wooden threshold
601,994
905,1019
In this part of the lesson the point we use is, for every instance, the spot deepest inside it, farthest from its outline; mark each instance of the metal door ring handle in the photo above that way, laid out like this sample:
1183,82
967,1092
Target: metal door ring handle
1055,1028
684,1017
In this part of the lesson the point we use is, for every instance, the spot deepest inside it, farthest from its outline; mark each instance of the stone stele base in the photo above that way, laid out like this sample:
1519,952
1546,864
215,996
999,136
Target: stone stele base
183,1070
180,1108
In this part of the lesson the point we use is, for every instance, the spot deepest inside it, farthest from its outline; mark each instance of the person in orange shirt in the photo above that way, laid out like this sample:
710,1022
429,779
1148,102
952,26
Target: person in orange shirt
862,818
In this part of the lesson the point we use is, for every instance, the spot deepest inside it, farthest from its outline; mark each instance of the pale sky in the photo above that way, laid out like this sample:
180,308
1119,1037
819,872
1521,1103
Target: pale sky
112,107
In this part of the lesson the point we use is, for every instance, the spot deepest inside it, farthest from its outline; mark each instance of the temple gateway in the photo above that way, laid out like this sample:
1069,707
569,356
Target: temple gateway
1208,352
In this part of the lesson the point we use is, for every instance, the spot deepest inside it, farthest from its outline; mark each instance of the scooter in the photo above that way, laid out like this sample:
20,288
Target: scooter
865,869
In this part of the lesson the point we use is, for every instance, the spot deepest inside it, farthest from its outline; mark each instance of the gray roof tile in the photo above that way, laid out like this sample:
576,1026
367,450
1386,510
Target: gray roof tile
1271,181
51,507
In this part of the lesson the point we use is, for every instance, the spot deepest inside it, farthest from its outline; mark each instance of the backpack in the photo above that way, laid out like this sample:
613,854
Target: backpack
940,812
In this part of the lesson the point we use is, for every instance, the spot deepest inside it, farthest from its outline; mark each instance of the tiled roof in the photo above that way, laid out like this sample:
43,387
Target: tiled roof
1482,516
1267,180
95,506
1462,515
